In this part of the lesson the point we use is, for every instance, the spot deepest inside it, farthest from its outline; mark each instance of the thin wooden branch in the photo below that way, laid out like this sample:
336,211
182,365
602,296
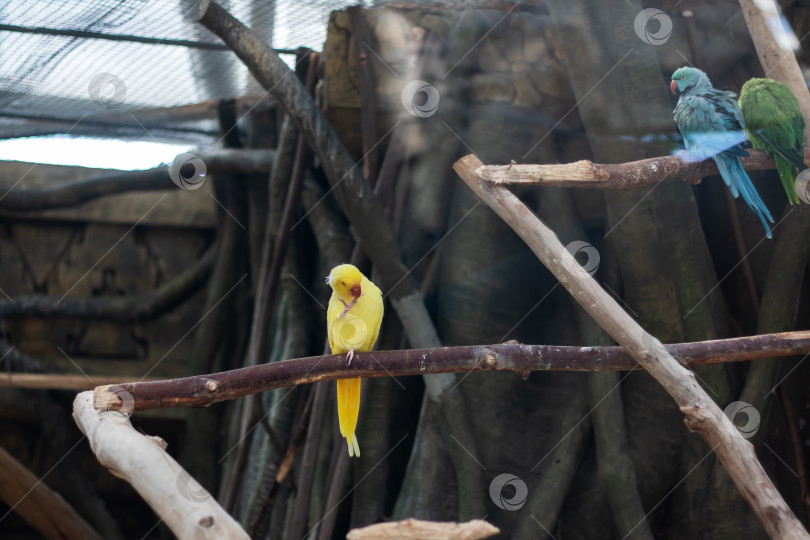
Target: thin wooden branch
43,509
182,503
415,529
204,390
125,309
702,414
17,199
619,176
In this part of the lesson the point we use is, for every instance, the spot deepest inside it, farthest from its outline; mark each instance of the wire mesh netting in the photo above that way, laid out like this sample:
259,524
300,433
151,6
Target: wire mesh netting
84,67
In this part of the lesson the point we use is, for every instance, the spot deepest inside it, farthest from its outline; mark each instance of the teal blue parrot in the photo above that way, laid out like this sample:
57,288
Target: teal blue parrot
774,124
712,127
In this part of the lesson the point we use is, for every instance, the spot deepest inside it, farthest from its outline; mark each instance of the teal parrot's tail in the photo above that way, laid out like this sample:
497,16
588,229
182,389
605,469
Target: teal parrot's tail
738,182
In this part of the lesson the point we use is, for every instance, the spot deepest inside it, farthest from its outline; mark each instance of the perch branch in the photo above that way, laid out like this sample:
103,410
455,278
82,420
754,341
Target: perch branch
203,390
125,309
182,503
619,176
702,414
414,529
43,509
157,179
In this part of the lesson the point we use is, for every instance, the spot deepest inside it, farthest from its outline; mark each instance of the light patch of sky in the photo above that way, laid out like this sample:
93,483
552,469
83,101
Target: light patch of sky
90,152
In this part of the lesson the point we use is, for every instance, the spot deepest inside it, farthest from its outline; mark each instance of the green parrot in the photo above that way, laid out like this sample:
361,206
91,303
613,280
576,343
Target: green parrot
774,123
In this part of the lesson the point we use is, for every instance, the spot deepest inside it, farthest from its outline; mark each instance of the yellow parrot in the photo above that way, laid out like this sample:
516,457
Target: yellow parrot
352,323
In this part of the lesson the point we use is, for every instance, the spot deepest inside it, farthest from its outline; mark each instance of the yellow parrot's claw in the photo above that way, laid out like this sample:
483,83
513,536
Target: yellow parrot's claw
350,356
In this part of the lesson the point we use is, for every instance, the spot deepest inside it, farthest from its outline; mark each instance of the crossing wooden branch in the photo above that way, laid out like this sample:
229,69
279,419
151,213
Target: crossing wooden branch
620,176
702,415
203,390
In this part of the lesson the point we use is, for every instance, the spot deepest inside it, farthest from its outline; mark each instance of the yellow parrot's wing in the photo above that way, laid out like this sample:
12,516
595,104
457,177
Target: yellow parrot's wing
333,311
372,312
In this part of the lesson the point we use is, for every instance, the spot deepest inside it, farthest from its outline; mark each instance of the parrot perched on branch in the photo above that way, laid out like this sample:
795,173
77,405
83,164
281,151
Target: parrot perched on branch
353,322
712,127
774,124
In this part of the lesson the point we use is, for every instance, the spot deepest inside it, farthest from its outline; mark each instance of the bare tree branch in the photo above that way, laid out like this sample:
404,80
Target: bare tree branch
203,390
620,176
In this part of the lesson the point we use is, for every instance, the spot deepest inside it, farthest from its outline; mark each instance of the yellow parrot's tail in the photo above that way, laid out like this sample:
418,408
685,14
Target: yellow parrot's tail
348,397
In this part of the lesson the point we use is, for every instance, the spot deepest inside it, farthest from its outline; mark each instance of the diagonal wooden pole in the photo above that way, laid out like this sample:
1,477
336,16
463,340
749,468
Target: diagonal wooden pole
702,415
